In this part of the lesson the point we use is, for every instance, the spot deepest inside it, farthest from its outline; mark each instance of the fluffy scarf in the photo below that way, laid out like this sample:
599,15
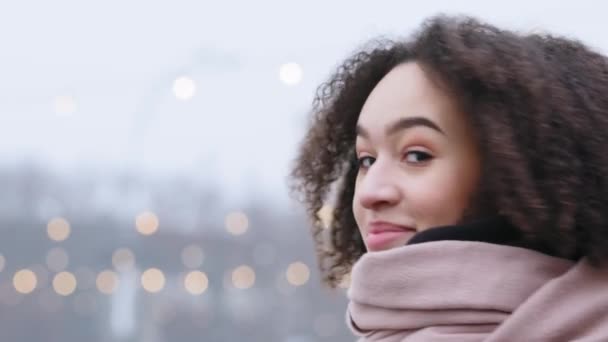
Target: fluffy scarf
476,291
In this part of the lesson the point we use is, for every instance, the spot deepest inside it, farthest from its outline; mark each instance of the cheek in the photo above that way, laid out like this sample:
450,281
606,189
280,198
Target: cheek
440,198
357,209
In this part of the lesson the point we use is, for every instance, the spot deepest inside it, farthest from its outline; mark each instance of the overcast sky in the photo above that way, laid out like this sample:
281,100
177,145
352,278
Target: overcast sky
87,83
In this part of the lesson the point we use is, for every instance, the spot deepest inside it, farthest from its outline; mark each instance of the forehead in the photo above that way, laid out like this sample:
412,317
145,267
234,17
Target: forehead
407,91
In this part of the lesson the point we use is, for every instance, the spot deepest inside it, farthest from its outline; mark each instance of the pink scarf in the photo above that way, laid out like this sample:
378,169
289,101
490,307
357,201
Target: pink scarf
474,291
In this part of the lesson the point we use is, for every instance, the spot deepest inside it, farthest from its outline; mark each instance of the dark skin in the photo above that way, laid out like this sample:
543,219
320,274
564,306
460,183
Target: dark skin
539,108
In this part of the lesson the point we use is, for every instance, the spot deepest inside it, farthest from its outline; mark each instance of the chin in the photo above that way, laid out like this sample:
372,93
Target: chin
392,245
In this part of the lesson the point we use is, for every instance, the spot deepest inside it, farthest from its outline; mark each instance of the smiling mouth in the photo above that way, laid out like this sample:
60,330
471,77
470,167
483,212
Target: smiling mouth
376,227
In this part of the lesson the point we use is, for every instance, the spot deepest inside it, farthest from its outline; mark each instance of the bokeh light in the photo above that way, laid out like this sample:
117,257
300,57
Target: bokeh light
192,256
64,283
24,281
123,259
290,73
237,223
184,88
153,280
146,223
196,282
325,215
58,229
298,274
243,277
107,282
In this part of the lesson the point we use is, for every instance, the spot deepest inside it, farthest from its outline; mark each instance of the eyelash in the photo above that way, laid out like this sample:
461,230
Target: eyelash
425,156
361,161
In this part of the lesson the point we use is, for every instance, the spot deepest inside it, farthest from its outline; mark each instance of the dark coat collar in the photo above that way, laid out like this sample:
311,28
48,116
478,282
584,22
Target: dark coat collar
496,230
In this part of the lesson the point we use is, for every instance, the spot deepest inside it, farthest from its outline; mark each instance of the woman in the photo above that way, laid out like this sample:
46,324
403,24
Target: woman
468,172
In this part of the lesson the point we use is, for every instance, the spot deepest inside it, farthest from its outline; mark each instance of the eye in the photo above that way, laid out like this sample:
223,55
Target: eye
417,157
365,162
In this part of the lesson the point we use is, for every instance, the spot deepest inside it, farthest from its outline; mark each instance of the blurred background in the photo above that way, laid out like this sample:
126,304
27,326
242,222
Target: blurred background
144,153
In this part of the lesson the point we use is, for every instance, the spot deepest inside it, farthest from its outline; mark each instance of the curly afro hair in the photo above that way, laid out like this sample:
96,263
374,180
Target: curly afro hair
539,104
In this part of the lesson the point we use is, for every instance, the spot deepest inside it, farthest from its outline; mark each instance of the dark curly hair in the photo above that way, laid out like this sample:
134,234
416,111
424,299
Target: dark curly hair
539,104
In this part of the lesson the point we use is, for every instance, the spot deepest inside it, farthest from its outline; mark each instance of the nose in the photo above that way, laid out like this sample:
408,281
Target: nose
378,187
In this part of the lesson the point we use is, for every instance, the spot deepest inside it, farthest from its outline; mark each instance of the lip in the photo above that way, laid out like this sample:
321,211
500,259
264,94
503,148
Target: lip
383,235
377,227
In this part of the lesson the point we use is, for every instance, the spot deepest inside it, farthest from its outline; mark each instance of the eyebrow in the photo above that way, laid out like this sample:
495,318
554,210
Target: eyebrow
403,124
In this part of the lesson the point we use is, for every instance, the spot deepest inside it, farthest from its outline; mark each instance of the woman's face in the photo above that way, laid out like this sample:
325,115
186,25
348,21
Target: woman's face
418,160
